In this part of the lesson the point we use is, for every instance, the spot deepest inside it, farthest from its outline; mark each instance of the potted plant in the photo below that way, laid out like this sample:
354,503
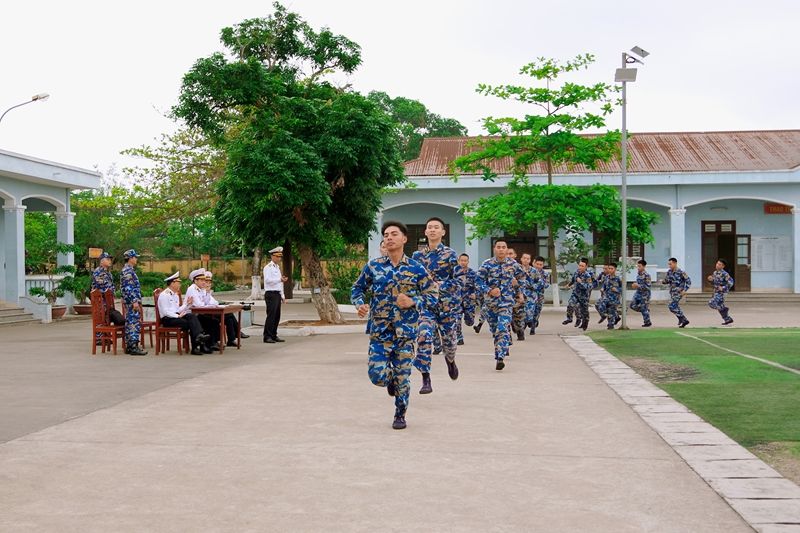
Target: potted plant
56,288
82,285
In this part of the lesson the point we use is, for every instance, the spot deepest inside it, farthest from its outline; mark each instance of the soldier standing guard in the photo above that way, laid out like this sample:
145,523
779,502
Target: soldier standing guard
103,281
722,282
641,299
401,289
440,261
132,299
495,281
679,282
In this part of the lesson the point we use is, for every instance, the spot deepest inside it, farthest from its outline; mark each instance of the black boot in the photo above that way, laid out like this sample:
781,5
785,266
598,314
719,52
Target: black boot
478,327
647,324
602,319
135,350
683,323
426,384
399,422
567,321
521,335
585,324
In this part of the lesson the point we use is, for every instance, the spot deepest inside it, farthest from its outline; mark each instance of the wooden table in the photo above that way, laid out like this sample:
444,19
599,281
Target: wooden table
221,311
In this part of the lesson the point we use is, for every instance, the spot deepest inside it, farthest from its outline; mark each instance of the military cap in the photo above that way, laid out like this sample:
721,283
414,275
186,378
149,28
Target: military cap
197,273
209,275
277,250
105,255
173,277
130,253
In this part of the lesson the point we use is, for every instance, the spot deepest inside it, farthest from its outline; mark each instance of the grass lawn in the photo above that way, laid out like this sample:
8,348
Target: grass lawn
754,403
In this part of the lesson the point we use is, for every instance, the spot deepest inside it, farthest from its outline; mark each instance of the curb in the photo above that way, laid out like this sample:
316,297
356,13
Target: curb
766,500
305,331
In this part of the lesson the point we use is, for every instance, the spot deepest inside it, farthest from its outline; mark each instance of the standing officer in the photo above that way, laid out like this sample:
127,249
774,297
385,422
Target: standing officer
539,282
679,282
104,281
722,283
401,290
132,300
608,305
466,310
273,295
441,262
495,281
641,299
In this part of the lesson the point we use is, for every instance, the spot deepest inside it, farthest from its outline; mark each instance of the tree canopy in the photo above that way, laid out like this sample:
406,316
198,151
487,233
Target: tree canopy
306,161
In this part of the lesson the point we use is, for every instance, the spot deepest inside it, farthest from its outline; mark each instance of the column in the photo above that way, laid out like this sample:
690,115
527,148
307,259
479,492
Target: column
677,234
65,234
375,237
14,242
472,249
796,249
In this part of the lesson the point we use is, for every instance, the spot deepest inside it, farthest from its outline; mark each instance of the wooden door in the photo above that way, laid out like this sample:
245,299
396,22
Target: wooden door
718,241
741,269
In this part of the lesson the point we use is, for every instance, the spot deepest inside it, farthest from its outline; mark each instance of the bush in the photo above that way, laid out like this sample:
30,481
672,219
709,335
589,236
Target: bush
342,275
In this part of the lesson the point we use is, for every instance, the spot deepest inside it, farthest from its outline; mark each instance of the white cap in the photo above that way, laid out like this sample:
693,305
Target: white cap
176,275
196,273
209,275
277,250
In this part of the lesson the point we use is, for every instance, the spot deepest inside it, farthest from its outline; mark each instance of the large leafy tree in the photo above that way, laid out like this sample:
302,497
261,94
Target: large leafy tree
415,122
555,135
306,161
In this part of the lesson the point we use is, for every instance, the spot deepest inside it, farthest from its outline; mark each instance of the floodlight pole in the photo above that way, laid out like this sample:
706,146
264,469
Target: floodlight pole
624,187
35,98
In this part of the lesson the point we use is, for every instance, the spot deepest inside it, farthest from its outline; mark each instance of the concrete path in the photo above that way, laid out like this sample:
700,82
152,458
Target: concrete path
293,437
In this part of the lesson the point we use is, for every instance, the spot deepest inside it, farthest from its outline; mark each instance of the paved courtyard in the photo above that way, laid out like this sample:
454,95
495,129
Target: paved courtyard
293,437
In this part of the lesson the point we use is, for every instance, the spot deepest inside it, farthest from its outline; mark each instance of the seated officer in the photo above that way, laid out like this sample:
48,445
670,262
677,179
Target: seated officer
174,315
197,293
231,324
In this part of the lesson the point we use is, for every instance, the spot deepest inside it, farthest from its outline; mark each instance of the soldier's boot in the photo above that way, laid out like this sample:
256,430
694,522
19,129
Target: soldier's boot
135,350
647,324
460,342
426,384
578,323
567,321
683,323
500,365
399,422
585,324
521,335
452,369
478,327
602,319
728,320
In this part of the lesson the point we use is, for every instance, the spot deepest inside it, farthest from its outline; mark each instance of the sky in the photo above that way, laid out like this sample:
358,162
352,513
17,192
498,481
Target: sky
114,70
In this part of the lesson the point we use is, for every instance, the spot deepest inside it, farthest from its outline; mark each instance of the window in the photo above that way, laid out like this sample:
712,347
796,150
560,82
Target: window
526,242
417,239
635,249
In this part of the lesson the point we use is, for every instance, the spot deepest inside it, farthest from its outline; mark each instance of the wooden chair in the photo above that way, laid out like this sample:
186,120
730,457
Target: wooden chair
109,333
164,334
148,327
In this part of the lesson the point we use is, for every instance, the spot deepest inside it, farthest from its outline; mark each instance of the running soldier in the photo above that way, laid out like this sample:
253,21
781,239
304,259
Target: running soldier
539,282
722,283
518,310
608,304
495,281
641,299
441,262
401,290
582,283
679,282
466,310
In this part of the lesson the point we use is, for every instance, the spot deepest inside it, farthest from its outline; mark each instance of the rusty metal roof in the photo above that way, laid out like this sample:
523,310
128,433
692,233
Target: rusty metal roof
723,151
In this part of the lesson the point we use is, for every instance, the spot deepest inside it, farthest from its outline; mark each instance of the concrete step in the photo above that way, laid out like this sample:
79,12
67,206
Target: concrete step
10,311
15,320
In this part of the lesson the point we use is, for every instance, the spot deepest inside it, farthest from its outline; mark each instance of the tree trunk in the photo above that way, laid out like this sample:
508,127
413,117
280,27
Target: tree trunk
288,269
255,289
321,294
551,244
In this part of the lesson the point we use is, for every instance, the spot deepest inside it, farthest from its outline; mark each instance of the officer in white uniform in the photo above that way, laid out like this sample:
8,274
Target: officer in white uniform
197,292
175,315
273,294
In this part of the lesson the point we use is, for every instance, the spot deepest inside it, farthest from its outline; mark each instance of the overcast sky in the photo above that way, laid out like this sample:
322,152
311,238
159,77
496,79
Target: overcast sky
114,70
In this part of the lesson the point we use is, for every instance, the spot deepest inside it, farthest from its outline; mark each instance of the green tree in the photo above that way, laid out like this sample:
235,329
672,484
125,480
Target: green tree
415,122
40,239
556,136
306,161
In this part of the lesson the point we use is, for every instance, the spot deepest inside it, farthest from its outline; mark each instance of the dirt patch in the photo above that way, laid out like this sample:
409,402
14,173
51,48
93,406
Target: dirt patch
659,372
779,455
302,323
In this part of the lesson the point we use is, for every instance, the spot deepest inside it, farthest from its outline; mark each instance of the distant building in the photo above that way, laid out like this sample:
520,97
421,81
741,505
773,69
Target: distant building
30,184
734,195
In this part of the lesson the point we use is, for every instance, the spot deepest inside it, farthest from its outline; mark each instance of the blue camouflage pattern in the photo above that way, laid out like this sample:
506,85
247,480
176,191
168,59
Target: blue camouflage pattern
679,282
131,295
103,280
442,264
722,282
539,283
582,285
496,274
608,304
393,330
641,298
469,300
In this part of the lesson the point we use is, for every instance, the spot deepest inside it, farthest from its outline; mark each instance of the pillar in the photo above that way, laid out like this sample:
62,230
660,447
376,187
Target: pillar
472,249
65,234
796,249
14,242
677,234
375,237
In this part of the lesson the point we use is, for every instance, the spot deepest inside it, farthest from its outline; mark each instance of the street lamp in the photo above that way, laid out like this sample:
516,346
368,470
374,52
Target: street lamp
35,98
624,75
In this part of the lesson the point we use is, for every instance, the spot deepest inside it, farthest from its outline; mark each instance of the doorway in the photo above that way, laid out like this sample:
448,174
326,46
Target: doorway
720,241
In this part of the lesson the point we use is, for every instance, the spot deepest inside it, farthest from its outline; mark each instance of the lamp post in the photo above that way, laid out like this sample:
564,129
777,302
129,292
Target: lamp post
35,98
624,75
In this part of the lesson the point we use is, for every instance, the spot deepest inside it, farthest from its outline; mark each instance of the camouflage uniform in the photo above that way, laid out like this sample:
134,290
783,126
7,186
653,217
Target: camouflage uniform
131,294
600,283
519,310
539,283
582,285
679,282
722,283
103,281
608,305
441,263
392,329
494,274
466,310
641,299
